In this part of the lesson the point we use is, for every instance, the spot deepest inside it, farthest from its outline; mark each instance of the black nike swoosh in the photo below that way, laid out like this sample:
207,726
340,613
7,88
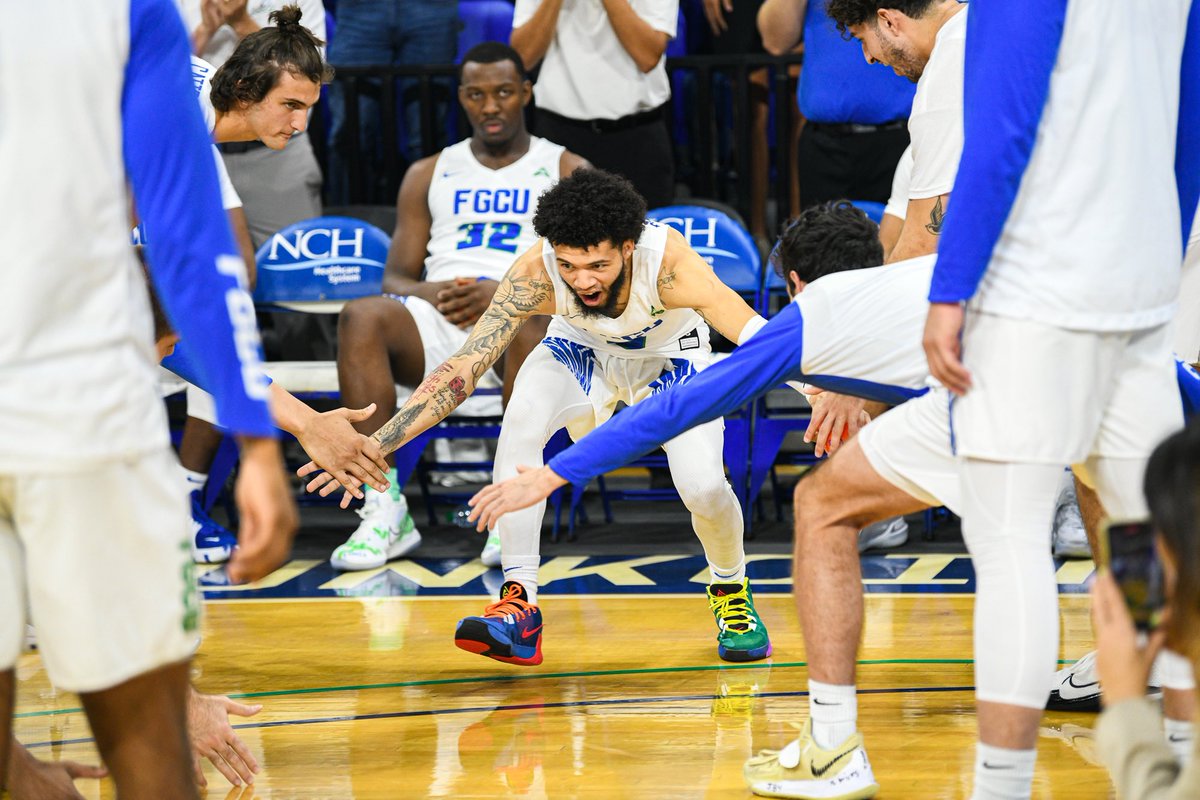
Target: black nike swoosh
819,771
986,765
1074,685
1174,738
818,702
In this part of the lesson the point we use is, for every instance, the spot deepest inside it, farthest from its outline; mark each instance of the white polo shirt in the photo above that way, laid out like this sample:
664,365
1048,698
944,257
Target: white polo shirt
936,122
586,73
224,41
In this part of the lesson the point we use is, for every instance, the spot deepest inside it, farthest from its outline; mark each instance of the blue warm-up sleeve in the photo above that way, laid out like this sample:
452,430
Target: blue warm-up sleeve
168,158
772,356
1012,47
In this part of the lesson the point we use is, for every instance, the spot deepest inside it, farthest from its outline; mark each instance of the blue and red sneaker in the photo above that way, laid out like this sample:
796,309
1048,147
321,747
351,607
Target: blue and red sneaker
510,629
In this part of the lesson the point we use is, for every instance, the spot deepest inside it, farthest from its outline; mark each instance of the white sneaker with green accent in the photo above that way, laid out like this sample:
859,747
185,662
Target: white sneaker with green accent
387,531
491,550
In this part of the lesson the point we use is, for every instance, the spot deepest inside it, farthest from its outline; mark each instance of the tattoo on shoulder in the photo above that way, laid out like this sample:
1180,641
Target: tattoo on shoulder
937,217
666,279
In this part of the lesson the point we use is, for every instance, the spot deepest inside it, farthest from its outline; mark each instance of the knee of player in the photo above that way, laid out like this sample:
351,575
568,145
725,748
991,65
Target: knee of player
362,318
818,505
701,494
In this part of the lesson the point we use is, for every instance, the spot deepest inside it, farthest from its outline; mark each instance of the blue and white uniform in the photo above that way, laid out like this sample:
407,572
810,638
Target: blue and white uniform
576,377
84,450
482,219
202,73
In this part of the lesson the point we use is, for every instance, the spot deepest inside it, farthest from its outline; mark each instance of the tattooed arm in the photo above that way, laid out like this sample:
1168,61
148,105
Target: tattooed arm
685,280
922,228
525,290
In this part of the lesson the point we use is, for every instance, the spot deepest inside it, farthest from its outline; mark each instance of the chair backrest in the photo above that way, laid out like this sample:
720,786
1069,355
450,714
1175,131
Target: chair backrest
318,264
483,21
679,45
722,241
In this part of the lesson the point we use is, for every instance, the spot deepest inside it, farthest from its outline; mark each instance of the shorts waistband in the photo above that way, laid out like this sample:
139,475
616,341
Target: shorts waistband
851,128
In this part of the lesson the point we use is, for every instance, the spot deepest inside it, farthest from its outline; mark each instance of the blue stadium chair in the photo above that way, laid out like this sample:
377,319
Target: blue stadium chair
483,21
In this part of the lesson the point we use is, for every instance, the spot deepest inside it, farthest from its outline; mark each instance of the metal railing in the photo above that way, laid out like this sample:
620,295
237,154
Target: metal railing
712,137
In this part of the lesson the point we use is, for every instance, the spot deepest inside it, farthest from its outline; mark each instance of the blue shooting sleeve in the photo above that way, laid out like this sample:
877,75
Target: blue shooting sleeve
772,356
1012,46
168,158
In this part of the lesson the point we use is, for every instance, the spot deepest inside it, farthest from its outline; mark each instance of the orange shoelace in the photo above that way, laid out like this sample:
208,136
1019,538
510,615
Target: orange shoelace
510,604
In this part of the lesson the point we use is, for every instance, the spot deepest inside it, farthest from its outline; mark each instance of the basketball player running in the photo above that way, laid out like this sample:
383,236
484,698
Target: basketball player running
851,331
81,417
461,216
631,301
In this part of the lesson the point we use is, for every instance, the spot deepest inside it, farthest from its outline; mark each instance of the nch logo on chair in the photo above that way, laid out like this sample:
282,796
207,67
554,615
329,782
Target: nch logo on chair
321,259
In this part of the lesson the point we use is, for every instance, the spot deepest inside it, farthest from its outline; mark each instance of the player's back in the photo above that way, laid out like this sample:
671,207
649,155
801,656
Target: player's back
482,217
1093,238
74,317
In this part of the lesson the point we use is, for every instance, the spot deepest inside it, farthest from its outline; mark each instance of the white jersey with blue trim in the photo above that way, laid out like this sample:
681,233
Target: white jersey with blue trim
202,73
1067,205
645,327
483,217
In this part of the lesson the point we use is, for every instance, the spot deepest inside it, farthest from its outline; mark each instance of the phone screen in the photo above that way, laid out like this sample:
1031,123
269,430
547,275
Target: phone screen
1135,566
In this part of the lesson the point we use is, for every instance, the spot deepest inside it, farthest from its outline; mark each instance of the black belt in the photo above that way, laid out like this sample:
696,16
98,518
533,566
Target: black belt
637,120
848,128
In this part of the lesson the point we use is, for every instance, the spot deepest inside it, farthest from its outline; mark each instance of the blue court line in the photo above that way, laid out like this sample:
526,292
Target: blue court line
627,701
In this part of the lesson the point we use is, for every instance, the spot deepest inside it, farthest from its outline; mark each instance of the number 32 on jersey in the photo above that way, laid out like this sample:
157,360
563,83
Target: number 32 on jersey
492,235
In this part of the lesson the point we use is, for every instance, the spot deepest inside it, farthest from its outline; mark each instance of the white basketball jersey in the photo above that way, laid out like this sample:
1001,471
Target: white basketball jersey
483,217
202,73
645,327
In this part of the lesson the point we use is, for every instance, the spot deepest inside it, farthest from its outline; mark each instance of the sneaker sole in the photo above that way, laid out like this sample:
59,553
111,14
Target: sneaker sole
799,791
1089,702
753,654
212,555
475,637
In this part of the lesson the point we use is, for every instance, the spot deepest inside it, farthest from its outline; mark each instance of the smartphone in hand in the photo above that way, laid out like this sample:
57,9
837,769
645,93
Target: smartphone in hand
1127,549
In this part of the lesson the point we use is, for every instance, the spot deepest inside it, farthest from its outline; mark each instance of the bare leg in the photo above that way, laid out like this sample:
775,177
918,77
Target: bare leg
6,712
531,333
1092,511
141,731
199,445
378,346
832,503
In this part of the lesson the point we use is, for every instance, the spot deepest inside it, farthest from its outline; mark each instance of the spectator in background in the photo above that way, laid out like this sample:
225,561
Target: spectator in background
378,33
603,86
855,113
735,33
1129,733
277,187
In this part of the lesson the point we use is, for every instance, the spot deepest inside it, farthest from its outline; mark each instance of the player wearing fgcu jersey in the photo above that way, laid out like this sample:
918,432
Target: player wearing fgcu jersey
854,331
461,217
631,300
99,548
1078,182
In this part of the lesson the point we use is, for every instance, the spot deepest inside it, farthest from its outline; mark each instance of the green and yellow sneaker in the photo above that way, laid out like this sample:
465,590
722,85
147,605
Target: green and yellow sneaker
387,531
741,634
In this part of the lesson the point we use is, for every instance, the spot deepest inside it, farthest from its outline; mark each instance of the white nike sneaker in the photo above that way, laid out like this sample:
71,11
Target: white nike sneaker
1069,535
882,535
387,531
491,551
1076,687
804,771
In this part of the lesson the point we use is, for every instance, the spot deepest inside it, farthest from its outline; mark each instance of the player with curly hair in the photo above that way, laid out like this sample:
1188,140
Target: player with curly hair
632,304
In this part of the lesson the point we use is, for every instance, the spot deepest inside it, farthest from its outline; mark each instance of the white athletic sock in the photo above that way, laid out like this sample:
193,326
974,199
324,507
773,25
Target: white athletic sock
834,713
194,480
523,570
1181,735
722,575
1003,774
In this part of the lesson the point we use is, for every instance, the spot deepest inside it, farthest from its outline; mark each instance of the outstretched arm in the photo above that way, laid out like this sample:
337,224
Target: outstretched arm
773,356
686,280
525,291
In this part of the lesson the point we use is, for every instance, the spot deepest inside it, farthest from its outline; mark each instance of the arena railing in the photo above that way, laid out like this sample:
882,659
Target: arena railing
710,121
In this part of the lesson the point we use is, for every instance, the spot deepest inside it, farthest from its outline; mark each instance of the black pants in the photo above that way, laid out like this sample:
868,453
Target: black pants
642,154
851,166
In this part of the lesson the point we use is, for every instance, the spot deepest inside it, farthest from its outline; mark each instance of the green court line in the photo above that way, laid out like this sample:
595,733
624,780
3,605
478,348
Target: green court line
543,676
